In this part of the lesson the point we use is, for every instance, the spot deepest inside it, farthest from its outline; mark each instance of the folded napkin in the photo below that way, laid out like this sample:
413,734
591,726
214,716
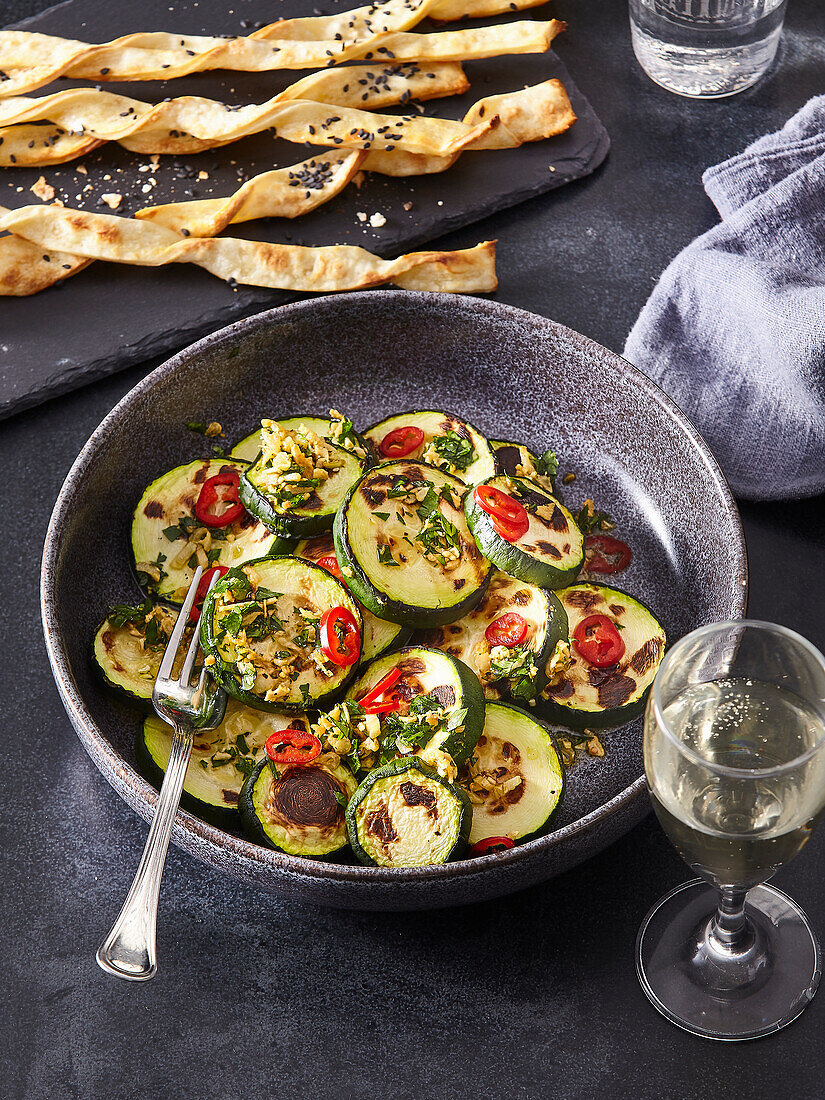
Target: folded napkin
735,328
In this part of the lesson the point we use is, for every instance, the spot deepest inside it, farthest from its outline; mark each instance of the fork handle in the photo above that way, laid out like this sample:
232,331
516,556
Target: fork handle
129,951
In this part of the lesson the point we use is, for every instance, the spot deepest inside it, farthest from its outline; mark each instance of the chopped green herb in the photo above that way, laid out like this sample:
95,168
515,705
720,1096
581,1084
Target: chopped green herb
385,556
198,426
340,798
382,515
456,450
123,613
548,465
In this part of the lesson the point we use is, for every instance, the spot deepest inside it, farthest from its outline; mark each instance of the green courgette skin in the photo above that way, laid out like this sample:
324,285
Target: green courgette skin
252,826
590,719
378,602
507,557
459,745
398,767
226,819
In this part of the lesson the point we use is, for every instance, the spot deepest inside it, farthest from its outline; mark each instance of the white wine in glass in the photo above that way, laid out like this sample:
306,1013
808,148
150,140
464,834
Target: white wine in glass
735,762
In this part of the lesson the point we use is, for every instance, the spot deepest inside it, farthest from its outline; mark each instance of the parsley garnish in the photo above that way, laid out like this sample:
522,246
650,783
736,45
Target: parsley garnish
589,519
457,451
123,613
382,515
548,465
198,426
340,798
385,555
518,666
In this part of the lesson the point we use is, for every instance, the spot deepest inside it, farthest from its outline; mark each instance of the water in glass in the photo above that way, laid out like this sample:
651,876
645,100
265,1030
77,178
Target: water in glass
706,48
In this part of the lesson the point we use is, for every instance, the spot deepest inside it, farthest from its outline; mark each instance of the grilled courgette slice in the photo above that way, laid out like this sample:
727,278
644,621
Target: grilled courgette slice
549,554
450,444
300,808
129,645
165,530
513,671
406,815
440,706
380,636
404,547
585,696
220,762
298,480
261,625
515,777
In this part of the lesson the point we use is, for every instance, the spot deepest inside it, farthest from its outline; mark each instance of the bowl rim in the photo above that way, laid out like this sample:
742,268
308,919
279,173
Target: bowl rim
111,763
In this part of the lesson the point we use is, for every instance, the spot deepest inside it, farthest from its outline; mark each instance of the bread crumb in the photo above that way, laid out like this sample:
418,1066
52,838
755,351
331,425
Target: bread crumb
408,206
358,179
203,175
81,168
361,216
377,220
112,200
43,190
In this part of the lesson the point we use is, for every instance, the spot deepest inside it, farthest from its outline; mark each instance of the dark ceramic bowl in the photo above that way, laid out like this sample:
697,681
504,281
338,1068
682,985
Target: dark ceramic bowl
515,376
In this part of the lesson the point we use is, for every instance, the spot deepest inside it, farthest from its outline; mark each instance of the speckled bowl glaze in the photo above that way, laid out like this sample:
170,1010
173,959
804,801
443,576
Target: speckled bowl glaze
512,374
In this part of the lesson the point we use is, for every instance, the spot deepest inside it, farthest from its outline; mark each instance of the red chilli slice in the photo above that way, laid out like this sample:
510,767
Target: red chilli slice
203,588
340,636
401,442
492,844
374,703
597,640
606,554
292,746
510,629
222,489
509,518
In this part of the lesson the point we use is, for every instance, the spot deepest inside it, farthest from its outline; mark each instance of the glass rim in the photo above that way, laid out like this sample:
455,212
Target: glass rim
691,754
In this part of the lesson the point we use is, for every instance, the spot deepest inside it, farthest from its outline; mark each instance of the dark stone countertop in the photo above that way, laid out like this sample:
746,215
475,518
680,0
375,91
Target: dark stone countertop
530,996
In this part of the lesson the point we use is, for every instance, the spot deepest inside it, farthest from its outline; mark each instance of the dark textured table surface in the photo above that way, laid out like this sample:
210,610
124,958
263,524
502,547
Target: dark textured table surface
530,996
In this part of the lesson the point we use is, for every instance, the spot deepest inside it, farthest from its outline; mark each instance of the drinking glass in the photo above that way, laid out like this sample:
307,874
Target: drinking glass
706,48
734,749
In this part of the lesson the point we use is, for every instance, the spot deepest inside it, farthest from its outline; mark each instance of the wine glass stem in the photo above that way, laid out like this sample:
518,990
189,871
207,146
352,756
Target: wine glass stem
730,925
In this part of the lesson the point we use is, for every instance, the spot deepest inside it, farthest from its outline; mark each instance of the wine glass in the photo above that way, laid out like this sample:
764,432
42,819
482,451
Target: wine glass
734,749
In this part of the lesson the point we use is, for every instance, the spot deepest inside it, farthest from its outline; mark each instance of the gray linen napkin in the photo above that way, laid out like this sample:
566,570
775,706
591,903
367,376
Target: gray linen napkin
735,328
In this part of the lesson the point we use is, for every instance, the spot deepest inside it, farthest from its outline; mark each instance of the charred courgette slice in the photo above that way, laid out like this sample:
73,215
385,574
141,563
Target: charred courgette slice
299,810
439,707
404,547
586,696
406,815
513,671
129,645
338,430
440,439
298,479
220,762
549,554
168,540
260,627
514,778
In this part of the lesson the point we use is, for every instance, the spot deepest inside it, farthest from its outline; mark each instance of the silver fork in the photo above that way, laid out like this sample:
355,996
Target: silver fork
129,951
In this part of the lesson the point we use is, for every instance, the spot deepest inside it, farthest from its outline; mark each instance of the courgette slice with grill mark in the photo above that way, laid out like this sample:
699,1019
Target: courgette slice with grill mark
380,636
519,671
260,623
129,645
406,815
440,704
336,431
449,443
220,762
164,520
293,502
517,756
587,697
300,810
404,547
551,552
516,460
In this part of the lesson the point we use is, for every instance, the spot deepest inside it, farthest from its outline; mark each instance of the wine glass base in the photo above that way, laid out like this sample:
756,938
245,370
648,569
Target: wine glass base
782,973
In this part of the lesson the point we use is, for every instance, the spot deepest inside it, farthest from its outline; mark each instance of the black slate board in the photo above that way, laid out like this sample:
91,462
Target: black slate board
110,316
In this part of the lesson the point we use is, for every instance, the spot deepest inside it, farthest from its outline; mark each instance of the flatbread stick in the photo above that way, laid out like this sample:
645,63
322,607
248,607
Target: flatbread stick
77,233
532,114
29,60
89,115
